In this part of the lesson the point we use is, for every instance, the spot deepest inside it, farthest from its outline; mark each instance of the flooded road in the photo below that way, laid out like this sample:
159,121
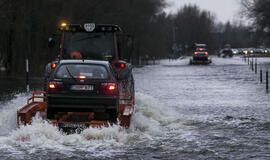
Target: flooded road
183,112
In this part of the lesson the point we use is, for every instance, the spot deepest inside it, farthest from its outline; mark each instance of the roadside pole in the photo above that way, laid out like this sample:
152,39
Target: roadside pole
27,75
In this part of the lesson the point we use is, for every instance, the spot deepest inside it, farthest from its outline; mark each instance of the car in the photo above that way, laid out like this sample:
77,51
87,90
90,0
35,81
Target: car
200,55
258,51
250,50
245,51
227,52
83,86
235,51
266,50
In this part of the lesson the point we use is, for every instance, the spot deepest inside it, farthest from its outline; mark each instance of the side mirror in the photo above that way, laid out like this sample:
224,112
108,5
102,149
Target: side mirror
125,46
51,42
125,71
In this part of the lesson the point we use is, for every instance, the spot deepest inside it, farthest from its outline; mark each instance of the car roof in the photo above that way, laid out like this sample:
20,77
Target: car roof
73,61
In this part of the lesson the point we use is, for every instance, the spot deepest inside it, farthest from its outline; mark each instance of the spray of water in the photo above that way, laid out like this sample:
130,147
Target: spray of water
8,113
148,121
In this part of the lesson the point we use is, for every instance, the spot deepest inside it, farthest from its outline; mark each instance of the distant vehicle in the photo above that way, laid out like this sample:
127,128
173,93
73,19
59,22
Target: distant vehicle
268,50
226,52
235,51
243,51
200,55
250,50
258,51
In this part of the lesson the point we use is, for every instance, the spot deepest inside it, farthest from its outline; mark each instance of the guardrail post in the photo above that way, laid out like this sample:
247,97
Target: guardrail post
261,75
248,60
256,66
252,64
266,79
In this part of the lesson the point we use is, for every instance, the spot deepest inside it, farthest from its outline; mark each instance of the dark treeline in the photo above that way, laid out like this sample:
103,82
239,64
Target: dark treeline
193,25
258,12
27,24
237,35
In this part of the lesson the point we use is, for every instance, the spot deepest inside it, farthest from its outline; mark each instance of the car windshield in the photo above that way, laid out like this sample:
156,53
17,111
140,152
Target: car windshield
96,46
76,70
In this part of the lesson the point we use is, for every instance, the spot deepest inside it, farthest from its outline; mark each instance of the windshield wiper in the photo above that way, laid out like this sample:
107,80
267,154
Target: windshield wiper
70,74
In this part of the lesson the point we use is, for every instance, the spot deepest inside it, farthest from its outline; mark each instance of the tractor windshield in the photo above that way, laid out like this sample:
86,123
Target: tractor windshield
96,46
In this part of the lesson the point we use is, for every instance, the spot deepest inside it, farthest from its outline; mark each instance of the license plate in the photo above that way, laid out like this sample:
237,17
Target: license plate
82,88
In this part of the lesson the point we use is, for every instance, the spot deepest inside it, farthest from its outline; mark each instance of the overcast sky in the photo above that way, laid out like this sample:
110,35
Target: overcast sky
223,9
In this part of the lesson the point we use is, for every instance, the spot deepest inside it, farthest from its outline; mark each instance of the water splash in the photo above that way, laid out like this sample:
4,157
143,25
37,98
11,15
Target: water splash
148,121
8,113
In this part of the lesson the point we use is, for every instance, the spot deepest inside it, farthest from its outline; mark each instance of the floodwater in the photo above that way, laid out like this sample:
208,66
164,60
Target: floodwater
215,112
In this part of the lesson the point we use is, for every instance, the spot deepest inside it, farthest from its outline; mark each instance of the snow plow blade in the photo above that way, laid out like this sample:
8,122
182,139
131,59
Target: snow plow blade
25,114
75,120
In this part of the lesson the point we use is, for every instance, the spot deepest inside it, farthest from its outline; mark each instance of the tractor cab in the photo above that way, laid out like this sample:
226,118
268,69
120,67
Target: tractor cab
90,41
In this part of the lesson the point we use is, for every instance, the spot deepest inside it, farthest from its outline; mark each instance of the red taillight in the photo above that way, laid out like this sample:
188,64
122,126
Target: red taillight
200,49
122,65
195,52
109,87
52,86
206,53
56,84
53,65
82,77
